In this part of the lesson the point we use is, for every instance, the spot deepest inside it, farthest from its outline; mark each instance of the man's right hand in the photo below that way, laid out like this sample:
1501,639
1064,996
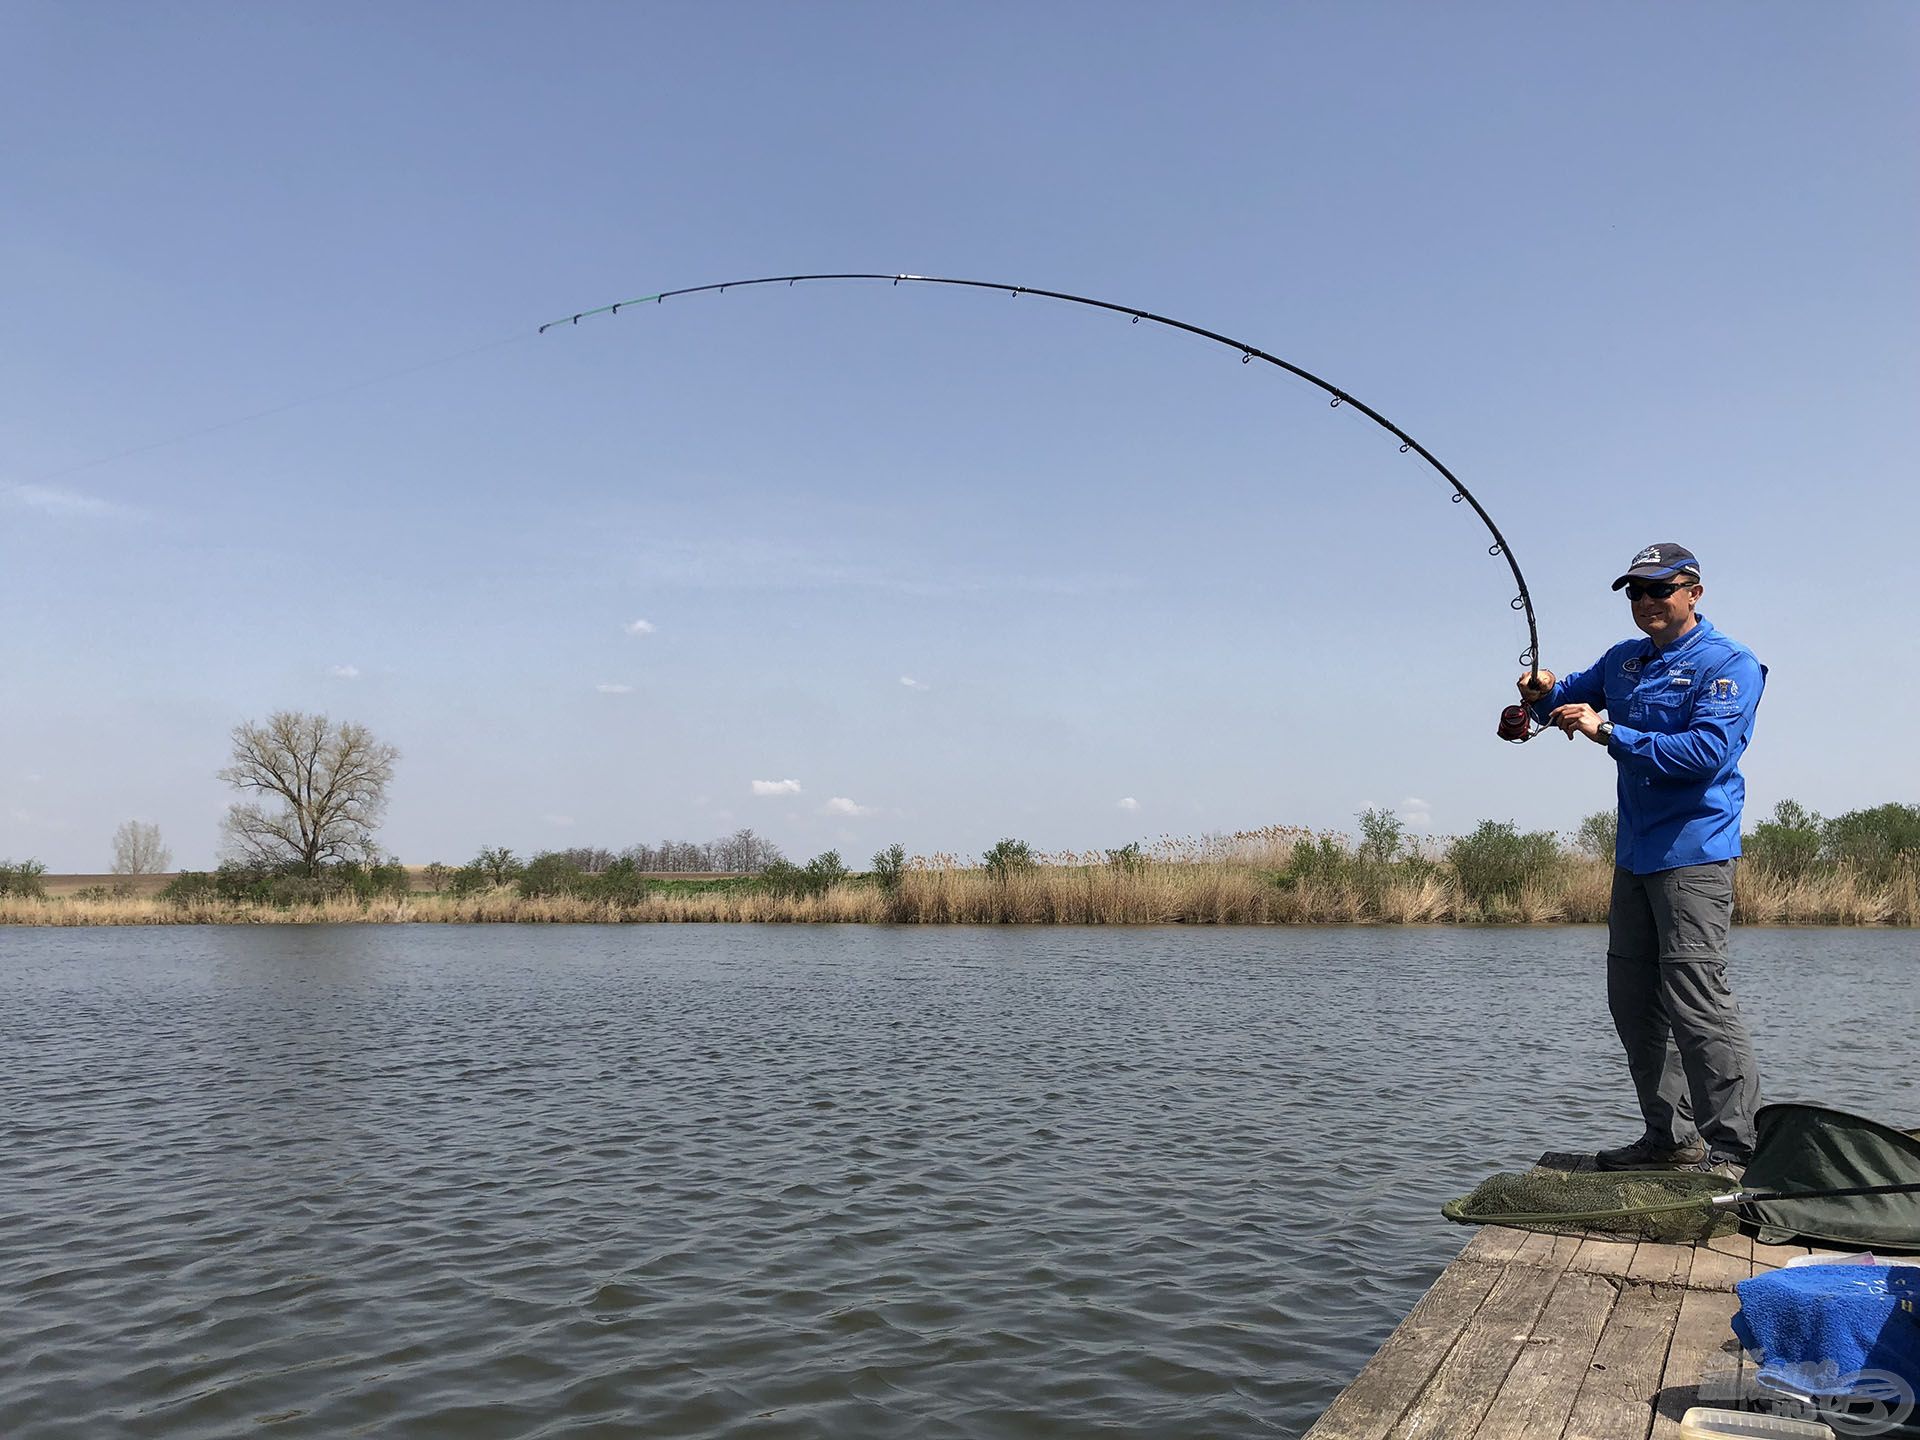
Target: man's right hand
1536,686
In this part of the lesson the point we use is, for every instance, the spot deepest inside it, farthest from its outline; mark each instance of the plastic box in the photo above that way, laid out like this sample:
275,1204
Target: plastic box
1700,1423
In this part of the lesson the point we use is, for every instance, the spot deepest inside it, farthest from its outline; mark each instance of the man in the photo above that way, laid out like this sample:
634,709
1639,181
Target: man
1679,713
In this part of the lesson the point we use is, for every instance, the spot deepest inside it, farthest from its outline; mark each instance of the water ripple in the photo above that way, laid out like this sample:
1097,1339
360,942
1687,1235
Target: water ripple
740,1182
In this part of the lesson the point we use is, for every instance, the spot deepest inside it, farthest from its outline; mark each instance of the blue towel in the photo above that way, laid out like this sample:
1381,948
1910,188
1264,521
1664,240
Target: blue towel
1827,1323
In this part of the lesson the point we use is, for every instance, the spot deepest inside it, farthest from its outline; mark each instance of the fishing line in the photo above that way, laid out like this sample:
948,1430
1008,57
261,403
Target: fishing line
1523,601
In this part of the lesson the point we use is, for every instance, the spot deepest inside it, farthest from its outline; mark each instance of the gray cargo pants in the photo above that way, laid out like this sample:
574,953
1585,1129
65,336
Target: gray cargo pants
1687,1047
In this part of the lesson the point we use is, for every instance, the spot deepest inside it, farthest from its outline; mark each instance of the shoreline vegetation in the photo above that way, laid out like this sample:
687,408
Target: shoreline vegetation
1798,871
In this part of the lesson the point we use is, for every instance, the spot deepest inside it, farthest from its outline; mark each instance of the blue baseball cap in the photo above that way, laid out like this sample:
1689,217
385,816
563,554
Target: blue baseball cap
1659,562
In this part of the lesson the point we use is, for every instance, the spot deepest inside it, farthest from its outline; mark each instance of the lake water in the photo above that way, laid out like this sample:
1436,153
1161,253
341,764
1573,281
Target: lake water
765,1181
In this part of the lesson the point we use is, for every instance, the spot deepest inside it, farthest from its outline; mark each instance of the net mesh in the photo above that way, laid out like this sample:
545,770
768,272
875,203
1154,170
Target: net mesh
1669,1206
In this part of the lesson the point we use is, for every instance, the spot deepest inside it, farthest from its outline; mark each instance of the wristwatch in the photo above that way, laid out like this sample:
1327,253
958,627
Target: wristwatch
1605,732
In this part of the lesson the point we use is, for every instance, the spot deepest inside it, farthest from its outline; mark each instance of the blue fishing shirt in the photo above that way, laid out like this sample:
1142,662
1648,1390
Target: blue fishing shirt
1682,718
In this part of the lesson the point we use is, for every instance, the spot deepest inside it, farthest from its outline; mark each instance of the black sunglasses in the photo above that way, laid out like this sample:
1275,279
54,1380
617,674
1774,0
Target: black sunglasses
1662,590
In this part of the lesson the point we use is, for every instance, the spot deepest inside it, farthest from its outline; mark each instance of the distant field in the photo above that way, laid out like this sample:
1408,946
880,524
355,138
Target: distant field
147,885
58,885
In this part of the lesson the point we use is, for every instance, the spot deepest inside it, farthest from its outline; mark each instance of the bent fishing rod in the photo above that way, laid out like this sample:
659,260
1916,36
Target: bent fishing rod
1514,721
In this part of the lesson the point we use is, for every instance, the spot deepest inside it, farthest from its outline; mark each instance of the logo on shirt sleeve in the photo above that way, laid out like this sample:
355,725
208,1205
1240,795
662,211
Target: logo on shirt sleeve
1726,688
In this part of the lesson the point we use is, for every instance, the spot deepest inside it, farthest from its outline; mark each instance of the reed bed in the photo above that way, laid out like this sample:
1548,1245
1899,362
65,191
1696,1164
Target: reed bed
1224,887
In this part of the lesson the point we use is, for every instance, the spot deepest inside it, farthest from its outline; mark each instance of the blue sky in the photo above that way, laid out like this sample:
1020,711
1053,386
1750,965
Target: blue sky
1635,272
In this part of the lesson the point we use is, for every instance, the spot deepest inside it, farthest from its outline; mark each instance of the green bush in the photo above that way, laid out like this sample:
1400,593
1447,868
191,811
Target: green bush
621,881
551,874
1008,857
1787,846
22,879
784,878
391,878
244,883
285,891
1382,833
498,865
1875,842
1322,860
1130,857
888,866
250,884
1496,860
469,880
191,886
286,885
437,876
1598,834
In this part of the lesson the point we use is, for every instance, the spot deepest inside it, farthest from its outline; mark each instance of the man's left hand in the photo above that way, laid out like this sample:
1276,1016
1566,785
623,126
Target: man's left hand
1577,719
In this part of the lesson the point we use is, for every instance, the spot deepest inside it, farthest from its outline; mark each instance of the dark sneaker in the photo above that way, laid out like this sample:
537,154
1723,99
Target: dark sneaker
1649,1154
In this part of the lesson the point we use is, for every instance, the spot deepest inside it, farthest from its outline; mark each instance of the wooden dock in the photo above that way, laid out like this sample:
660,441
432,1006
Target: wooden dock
1532,1337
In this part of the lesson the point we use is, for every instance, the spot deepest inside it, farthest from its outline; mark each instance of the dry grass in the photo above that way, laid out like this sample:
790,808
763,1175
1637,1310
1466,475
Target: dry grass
1214,883
1833,898
119,885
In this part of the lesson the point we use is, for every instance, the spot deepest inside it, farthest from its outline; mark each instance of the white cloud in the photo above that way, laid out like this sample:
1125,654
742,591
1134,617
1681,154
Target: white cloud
614,689
1416,814
841,805
344,672
913,684
1127,802
640,627
776,787
68,504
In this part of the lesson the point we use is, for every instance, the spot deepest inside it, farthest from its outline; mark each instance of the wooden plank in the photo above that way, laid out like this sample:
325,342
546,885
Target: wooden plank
1717,1269
1549,1250
1538,1393
1381,1393
1464,1384
1773,1257
1604,1257
1739,1245
1703,1349
1616,1396
1657,1264
1493,1245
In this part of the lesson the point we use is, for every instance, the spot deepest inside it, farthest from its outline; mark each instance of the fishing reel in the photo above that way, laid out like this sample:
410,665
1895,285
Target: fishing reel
1517,725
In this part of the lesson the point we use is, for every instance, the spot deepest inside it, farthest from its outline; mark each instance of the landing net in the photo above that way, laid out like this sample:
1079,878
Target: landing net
1668,1206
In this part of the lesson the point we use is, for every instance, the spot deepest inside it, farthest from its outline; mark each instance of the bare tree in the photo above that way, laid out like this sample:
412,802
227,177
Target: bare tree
137,850
329,783
748,851
741,851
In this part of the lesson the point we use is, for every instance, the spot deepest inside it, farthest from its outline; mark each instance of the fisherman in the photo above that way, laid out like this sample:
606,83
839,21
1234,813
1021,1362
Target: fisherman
1679,713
